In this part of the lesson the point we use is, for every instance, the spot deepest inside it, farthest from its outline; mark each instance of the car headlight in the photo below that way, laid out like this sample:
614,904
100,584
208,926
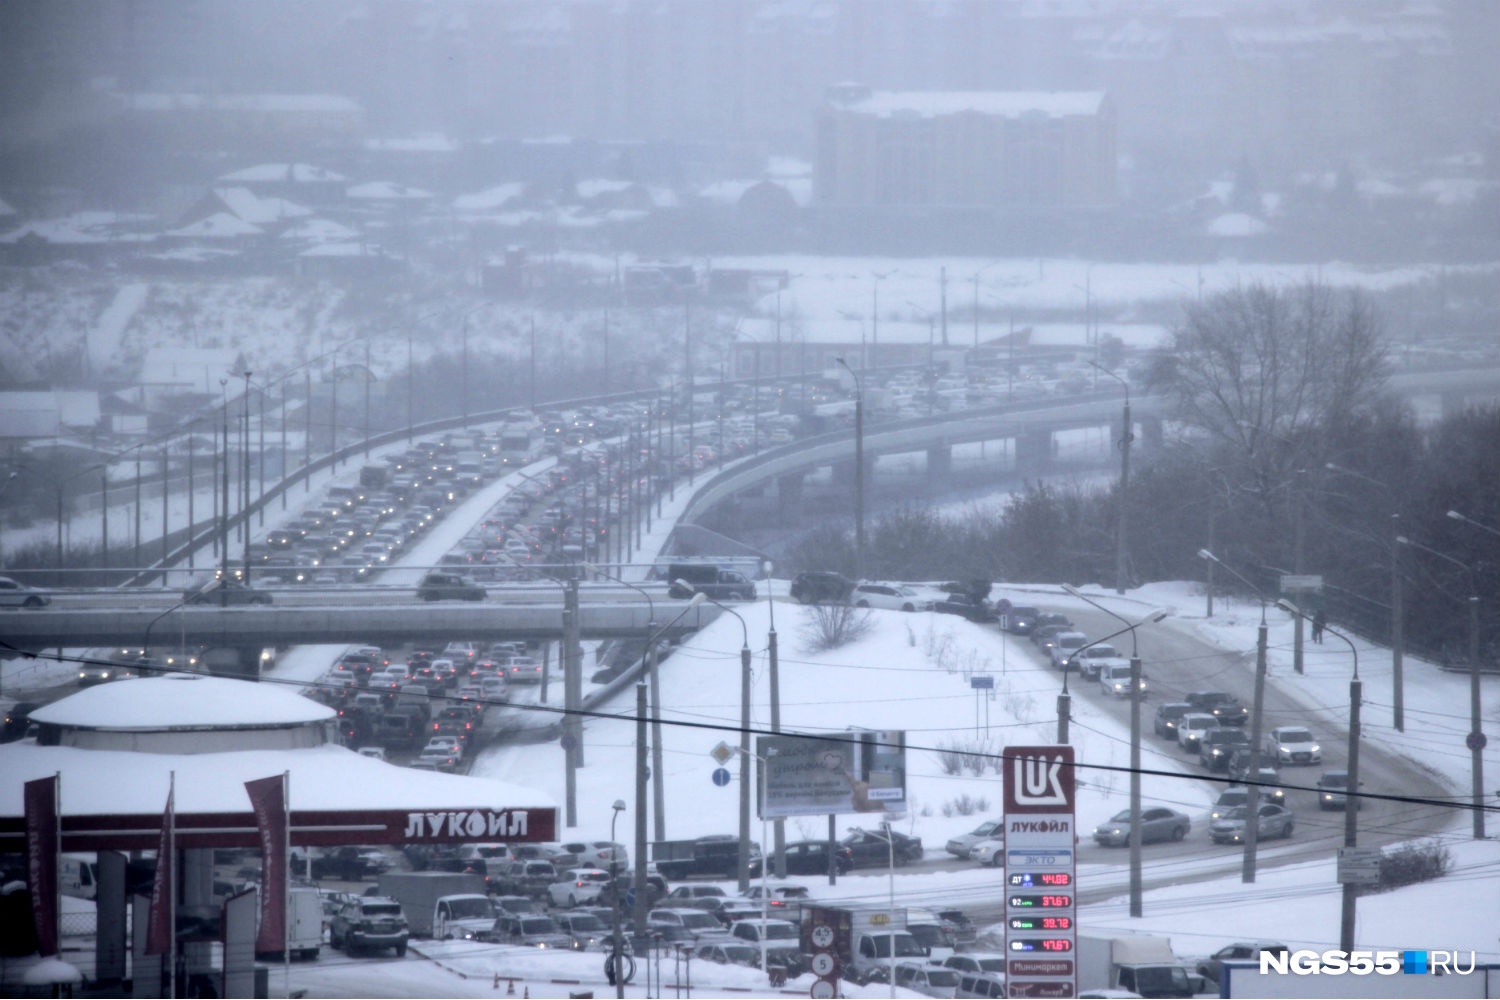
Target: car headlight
1315,748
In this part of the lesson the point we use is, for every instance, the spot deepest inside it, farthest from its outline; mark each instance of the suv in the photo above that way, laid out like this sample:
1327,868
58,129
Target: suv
821,587
1221,705
1218,745
449,587
369,922
889,596
1167,716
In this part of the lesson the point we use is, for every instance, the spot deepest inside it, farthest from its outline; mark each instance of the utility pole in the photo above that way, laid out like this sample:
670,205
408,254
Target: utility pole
638,916
1252,788
572,689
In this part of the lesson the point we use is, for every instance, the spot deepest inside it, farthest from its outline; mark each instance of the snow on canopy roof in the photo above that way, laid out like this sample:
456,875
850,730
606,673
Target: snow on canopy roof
182,700
257,210
301,173
1004,104
219,225
330,777
386,191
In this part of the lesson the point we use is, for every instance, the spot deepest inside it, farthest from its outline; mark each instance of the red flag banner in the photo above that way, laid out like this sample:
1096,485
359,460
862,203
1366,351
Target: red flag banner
160,929
268,801
41,860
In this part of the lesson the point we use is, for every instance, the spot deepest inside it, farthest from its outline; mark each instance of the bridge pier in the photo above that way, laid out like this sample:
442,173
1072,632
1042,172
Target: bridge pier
939,462
1033,452
788,495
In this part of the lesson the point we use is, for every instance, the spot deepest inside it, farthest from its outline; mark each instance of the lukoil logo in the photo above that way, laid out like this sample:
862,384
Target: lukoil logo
1364,963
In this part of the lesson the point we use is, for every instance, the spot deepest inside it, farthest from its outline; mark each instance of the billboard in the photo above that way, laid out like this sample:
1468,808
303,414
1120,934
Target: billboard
862,771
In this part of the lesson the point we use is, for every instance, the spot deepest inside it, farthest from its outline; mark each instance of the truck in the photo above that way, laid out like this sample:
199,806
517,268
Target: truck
468,466
869,940
375,477
521,443
441,904
715,856
304,924
1141,963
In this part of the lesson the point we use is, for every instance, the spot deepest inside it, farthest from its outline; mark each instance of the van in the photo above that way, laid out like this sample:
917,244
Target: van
710,579
78,876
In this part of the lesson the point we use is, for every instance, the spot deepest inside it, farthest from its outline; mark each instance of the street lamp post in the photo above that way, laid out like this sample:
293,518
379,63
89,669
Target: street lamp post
1476,738
616,945
1351,799
1135,741
1252,788
1455,515
744,748
859,470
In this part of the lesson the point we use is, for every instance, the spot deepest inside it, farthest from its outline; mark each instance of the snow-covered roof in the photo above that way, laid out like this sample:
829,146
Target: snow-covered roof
81,227
493,197
320,231
238,102
195,369
330,777
220,225
178,700
46,413
257,210
386,191
297,173
1002,104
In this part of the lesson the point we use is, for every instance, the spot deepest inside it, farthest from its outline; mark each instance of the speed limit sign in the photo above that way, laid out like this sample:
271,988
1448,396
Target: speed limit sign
822,963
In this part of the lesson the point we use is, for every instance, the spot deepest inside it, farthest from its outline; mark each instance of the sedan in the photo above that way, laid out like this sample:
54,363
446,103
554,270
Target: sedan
1157,823
990,852
1293,745
1333,790
14,594
225,591
1275,821
578,886
961,845
871,848
809,857
890,596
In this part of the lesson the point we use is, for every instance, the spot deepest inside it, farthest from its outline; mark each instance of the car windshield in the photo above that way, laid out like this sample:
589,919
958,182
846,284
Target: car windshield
906,946
538,925
781,932
1297,736
468,909
382,909
1334,781
1234,812
1123,816
942,977
584,922
741,953
700,920
931,935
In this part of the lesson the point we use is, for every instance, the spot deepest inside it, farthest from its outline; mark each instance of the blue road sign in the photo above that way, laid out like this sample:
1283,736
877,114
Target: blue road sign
721,776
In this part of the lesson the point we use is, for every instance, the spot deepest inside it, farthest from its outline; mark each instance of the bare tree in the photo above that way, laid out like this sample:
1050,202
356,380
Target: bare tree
1268,371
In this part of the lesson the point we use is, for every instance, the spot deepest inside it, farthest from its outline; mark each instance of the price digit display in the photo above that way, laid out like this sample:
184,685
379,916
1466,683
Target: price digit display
1053,945
1042,902
1041,923
1033,880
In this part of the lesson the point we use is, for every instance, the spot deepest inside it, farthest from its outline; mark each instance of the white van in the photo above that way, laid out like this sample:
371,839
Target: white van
78,876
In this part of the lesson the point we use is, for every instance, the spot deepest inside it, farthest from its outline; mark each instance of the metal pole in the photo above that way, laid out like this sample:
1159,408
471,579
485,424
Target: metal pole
1135,784
1252,788
1351,808
639,915
1476,739
616,947
775,680
1398,633
245,475
1122,571
1064,708
744,859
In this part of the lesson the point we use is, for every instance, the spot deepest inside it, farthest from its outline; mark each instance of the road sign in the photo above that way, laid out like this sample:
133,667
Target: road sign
982,682
722,753
567,741
1305,583
822,963
721,776
1359,865
1041,929
1476,741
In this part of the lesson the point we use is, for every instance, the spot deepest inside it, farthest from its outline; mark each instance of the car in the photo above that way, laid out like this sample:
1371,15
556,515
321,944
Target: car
782,940
449,587
103,673
349,864
606,854
695,896
225,591
1020,619
515,904
1041,636
927,979
965,606
1168,715
871,848
1225,707
889,596
533,930
1157,823
1266,778
808,857
1229,798
729,953
369,923
779,896
1211,968
1293,745
992,984
1333,790
989,852
1114,679
587,931
1193,727
1091,660
445,744
960,846
686,925
14,594
821,587
523,670
1046,618
1063,645
527,877
1218,745
976,961
576,886
1275,821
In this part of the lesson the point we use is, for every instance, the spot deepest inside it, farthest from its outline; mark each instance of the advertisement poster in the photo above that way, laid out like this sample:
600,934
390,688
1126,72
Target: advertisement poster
857,772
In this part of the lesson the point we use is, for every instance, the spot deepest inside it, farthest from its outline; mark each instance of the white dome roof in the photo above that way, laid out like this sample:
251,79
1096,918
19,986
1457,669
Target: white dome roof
183,701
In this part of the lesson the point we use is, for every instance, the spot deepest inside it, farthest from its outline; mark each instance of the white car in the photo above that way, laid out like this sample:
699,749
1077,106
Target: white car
888,596
1092,659
1293,745
1114,679
1191,729
990,851
1064,645
17,595
598,853
576,887
445,744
